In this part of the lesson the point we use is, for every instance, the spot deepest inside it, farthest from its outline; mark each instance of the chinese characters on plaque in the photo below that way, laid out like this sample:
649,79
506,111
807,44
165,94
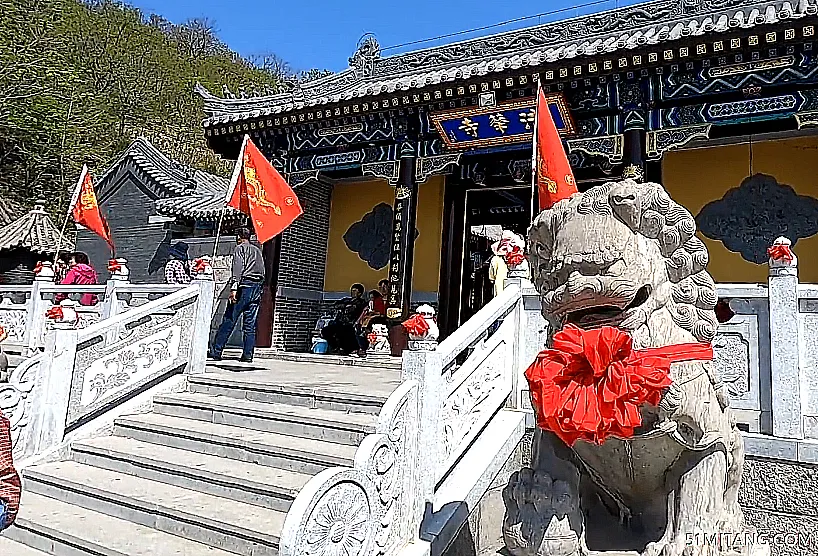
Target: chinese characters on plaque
511,122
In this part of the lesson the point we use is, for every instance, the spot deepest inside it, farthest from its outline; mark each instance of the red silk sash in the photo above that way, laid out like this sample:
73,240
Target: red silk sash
591,384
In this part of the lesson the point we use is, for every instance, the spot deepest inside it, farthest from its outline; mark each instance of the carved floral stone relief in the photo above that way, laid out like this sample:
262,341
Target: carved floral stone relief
731,355
13,320
14,399
108,375
749,217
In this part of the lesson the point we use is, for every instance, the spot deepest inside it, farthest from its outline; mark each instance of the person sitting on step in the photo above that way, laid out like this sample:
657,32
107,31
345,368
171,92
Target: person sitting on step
340,334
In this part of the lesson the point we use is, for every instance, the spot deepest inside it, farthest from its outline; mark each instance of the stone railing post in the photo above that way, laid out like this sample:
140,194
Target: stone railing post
37,307
60,352
531,338
205,280
120,274
426,367
784,341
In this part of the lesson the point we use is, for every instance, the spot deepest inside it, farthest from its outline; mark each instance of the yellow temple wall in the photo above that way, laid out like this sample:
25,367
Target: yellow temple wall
351,202
696,177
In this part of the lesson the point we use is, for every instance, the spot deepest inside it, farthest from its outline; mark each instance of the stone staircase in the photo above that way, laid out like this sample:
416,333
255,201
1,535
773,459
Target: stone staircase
210,471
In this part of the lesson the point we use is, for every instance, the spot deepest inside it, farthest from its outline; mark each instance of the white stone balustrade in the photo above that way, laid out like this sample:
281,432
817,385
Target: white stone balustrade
409,486
83,360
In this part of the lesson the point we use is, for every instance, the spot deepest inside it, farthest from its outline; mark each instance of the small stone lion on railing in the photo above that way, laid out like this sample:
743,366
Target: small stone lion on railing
653,464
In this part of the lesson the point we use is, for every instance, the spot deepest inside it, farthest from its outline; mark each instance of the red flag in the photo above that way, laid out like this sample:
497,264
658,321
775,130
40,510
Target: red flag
553,175
259,191
85,208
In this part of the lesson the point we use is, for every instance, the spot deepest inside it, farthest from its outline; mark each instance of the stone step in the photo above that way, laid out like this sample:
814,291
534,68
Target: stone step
10,548
302,455
237,385
261,485
380,361
219,522
61,529
316,423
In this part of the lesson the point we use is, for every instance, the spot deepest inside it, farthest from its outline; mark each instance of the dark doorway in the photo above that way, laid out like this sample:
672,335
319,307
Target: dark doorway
474,217
489,211
272,253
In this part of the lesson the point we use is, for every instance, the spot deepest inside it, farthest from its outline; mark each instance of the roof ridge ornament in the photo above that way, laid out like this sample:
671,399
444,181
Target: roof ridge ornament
367,53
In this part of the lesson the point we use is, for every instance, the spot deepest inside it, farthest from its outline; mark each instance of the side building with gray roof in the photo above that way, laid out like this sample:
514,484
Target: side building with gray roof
151,202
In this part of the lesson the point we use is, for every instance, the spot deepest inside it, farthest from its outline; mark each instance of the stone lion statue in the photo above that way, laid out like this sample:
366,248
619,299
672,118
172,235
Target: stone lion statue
625,255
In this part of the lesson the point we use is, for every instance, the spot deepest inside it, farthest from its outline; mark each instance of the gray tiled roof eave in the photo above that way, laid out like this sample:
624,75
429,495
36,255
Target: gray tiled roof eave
36,232
208,207
596,34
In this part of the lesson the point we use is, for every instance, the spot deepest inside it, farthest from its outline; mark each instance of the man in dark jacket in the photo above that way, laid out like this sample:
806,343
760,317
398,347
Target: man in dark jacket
9,479
340,334
246,285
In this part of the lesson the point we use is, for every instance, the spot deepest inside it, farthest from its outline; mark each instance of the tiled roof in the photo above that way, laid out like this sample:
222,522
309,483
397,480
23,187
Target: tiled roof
632,27
172,176
183,191
34,231
200,207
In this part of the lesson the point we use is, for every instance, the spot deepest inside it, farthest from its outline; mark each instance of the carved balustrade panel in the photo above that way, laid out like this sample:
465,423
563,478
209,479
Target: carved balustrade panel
14,312
366,510
476,389
741,352
126,352
17,401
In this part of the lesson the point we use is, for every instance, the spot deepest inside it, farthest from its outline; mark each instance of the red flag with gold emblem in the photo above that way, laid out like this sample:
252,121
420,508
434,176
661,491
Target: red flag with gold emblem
259,191
84,208
552,173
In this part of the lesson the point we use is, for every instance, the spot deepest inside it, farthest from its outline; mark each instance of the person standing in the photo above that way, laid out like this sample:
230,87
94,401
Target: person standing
177,269
80,272
246,285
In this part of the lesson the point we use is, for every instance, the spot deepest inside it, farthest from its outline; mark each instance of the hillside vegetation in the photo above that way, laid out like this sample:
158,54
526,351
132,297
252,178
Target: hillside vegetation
79,81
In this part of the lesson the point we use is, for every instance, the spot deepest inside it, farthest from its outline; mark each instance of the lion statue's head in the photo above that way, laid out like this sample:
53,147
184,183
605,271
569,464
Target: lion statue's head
624,254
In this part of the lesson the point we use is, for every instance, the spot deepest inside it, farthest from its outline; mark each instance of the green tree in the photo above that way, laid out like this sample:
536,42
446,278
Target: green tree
80,81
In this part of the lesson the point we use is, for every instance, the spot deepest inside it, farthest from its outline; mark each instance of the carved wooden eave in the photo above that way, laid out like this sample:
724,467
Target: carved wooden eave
398,80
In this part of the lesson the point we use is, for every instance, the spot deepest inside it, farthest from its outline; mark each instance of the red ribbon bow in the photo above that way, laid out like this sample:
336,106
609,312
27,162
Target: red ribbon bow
38,268
114,266
416,325
780,253
200,265
55,313
514,257
591,384
372,337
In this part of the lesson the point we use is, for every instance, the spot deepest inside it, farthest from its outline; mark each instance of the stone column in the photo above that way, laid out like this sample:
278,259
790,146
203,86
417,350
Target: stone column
51,405
403,237
784,341
37,306
120,274
204,279
426,367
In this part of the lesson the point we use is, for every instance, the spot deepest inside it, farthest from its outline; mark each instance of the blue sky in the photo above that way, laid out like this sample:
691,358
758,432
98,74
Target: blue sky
323,33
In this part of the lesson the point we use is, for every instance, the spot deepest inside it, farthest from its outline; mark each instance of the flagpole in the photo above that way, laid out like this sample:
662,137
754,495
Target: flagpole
234,180
534,150
74,196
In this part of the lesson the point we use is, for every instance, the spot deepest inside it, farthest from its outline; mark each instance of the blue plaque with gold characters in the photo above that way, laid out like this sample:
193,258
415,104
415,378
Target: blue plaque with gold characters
511,122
